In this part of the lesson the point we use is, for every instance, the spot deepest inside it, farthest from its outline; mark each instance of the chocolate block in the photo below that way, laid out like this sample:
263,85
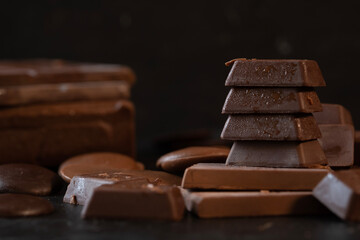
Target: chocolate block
40,71
337,142
340,192
81,187
135,201
276,154
274,73
63,92
221,176
246,204
277,127
271,100
333,114
47,134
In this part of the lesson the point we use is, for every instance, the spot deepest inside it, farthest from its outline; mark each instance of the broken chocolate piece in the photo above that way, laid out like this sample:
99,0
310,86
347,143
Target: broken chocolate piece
276,154
22,205
28,178
276,73
179,160
271,100
337,141
48,134
257,203
95,163
81,187
269,127
63,92
225,177
333,114
340,192
39,71
135,201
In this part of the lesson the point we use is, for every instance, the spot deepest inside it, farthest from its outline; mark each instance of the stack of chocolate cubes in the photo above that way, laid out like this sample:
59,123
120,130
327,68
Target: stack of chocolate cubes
276,159
270,108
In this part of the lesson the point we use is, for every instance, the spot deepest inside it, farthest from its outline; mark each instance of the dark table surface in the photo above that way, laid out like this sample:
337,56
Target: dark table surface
66,223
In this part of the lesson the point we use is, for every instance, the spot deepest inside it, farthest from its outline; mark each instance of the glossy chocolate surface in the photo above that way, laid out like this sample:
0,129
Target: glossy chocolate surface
271,127
225,177
28,178
285,154
179,160
275,73
22,205
271,100
256,203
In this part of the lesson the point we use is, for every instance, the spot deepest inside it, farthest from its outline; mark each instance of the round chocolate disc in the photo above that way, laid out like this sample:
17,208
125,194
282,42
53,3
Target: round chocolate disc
22,205
27,178
93,163
179,160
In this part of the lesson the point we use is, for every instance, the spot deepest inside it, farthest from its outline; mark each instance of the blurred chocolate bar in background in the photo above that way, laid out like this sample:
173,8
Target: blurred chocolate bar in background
51,110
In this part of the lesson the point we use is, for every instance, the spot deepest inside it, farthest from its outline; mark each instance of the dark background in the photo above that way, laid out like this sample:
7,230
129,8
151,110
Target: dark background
178,48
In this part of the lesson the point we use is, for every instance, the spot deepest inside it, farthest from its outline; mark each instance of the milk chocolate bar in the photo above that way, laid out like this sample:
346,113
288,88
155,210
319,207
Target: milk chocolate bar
256,203
135,201
274,73
47,134
271,100
333,114
63,92
278,127
340,192
42,71
81,187
337,142
276,154
225,177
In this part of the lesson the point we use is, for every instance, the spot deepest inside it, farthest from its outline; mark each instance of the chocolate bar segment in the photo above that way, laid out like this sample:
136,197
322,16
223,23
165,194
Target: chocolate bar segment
274,73
271,127
81,187
63,92
47,134
276,154
225,177
337,142
333,114
42,71
249,204
271,100
340,192
133,200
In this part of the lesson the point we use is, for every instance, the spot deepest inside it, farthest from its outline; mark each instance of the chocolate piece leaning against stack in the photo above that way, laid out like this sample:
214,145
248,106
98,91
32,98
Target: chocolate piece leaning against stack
275,134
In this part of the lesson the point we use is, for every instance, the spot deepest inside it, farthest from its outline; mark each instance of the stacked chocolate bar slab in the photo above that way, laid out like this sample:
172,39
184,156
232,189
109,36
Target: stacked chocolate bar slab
275,148
51,110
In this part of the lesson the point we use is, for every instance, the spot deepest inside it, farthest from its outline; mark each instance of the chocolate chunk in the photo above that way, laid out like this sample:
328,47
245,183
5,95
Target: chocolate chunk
28,178
271,100
22,205
179,160
245,204
276,73
333,114
81,187
340,192
279,127
221,176
276,154
95,163
337,142
57,71
135,201
48,134
63,92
